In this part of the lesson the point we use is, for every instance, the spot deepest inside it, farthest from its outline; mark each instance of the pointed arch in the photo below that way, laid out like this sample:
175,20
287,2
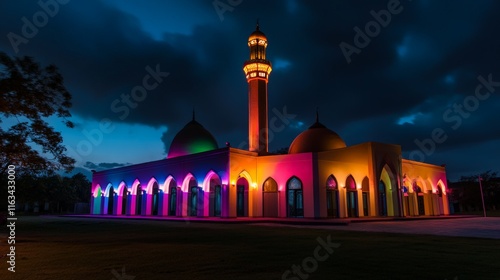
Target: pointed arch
441,186
270,185
246,175
407,183
120,188
136,185
97,191
331,182
432,187
206,182
150,185
167,184
186,181
421,183
350,183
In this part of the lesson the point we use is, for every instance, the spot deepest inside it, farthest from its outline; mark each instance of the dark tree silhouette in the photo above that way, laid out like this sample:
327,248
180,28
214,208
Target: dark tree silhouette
491,190
29,94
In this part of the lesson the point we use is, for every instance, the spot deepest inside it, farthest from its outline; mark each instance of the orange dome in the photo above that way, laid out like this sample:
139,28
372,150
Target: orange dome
257,34
317,138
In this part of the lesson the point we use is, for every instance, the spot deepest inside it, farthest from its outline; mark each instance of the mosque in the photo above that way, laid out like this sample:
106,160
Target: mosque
319,177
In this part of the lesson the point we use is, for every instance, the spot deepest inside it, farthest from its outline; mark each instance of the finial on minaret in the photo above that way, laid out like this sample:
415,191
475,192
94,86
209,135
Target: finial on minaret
317,114
257,27
193,114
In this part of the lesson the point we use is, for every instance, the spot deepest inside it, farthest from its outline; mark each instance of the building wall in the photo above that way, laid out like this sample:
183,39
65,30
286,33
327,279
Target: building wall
142,177
428,181
367,164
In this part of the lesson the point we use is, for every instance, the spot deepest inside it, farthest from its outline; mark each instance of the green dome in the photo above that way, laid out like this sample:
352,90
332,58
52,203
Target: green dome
192,139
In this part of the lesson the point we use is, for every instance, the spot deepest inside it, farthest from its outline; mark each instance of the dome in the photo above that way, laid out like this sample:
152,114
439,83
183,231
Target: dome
317,138
257,34
192,139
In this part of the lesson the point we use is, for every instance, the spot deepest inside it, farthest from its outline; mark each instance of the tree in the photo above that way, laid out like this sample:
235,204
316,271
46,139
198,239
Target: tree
471,195
29,94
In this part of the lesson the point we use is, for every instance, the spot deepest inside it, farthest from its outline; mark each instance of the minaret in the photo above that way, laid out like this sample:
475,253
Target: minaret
257,70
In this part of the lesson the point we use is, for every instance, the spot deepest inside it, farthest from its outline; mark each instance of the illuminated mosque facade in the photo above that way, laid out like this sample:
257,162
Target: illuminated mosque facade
319,177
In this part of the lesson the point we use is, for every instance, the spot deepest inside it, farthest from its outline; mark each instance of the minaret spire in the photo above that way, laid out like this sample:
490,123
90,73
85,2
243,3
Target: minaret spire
194,119
317,114
257,70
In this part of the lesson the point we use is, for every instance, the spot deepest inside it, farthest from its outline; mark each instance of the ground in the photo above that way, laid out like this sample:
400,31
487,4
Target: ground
50,247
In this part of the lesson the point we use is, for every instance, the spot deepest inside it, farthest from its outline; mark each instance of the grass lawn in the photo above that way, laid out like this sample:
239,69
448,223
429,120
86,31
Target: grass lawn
75,248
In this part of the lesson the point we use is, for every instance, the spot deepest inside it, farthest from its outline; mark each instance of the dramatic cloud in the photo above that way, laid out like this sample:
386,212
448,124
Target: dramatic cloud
103,165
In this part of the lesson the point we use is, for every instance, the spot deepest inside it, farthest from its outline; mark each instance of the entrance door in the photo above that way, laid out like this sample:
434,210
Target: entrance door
421,205
124,201
240,201
332,203
242,197
365,204
193,201
111,199
217,201
172,205
270,198
154,200
382,199
352,204
138,201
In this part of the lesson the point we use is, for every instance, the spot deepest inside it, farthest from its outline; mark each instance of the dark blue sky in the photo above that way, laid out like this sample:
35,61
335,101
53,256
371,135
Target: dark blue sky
415,76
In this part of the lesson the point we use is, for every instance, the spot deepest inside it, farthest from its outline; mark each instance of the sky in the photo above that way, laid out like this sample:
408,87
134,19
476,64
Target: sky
421,74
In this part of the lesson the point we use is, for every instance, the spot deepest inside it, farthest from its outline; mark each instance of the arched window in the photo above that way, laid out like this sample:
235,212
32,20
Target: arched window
295,199
352,197
332,197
